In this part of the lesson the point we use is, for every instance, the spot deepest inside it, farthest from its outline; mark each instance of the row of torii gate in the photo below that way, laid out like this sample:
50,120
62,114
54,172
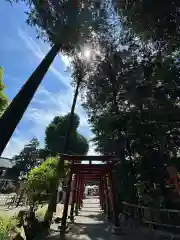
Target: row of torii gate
82,173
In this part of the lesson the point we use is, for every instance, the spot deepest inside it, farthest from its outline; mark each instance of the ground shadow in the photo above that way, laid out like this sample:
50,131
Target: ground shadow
94,203
91,231
96,217
94,231
91,211
91,207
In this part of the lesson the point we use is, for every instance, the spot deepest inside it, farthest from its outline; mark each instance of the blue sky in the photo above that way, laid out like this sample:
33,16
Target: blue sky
20,54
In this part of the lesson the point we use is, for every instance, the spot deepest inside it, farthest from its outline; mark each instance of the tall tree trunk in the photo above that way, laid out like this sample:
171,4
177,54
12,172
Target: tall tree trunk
15,111
53,198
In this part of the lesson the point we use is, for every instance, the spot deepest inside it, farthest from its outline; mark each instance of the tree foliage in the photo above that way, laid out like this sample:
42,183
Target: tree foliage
3,99
40,180
66,23
130,97
56,132
132,101
28,158
152,20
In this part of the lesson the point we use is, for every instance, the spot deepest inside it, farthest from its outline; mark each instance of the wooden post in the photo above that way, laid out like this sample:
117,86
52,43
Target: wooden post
79,199
100,198
73,199
113,200
108,210
102,193
82,193
101,184
77,195
66,203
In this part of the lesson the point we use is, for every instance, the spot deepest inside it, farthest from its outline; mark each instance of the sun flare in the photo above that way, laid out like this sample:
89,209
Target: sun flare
87,53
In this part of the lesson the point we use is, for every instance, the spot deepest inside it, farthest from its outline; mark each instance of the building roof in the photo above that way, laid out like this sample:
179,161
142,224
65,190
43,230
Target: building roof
5,162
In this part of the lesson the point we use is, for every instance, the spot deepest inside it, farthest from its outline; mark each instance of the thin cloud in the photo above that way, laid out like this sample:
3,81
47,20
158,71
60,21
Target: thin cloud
15,145
63,79
53,104
40,53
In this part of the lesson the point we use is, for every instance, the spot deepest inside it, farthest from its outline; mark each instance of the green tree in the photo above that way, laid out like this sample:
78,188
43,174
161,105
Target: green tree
28,158
55,136
3,99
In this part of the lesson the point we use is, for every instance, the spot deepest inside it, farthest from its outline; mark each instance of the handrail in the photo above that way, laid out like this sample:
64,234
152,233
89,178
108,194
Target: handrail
154,209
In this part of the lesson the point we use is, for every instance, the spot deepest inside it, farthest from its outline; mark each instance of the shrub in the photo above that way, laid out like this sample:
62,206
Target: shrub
40,180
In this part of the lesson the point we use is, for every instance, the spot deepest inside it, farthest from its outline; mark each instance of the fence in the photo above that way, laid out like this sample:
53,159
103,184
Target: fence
8,200
154,217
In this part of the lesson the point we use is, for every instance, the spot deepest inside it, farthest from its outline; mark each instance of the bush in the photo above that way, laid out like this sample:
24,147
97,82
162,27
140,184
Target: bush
40,213
40,181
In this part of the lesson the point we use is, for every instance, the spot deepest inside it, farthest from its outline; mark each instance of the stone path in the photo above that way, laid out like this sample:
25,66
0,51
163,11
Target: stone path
90,224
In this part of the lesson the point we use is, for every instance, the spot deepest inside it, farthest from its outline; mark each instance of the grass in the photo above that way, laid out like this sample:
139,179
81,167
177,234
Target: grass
6,223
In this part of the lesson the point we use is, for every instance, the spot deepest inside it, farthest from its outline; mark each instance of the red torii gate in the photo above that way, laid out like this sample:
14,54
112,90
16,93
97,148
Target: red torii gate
83,173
